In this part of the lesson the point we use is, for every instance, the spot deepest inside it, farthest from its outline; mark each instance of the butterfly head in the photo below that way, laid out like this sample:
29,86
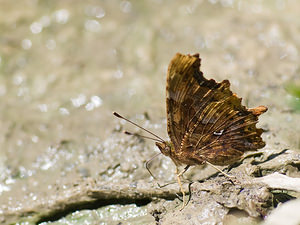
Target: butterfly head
165,147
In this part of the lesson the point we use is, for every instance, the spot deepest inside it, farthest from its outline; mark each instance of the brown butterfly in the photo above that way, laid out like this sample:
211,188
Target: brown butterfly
206,122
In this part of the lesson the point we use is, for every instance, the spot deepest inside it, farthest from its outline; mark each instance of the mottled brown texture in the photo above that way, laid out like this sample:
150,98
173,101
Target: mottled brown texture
206,121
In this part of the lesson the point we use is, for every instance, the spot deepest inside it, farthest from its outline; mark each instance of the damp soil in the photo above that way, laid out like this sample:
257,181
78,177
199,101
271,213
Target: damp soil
66,66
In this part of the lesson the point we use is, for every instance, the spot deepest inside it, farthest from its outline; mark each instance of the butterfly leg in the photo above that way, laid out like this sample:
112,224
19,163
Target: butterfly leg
225,174
151,174
147,165
179,174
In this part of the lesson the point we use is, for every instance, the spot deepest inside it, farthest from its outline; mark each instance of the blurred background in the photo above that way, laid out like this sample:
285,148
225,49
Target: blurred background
66,65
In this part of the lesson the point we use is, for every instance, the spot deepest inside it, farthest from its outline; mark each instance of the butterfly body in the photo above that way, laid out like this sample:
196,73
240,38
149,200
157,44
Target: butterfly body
178,157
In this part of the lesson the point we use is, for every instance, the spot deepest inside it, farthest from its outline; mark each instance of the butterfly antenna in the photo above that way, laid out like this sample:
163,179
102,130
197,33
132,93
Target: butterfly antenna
142,136
121,117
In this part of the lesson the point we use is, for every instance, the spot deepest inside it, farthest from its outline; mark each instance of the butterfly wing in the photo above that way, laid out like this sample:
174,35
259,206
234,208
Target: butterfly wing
180,87
206,121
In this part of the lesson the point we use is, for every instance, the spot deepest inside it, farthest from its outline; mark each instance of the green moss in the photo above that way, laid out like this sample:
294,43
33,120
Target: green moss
294,91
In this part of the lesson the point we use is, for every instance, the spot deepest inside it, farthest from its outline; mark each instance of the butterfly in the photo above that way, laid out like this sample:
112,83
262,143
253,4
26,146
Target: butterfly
206,122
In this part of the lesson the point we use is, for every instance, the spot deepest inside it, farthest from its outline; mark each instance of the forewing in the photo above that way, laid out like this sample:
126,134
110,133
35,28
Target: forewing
188,92
180,88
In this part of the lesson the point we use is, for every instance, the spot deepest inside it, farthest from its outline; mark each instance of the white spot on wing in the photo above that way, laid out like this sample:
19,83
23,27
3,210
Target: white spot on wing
219,133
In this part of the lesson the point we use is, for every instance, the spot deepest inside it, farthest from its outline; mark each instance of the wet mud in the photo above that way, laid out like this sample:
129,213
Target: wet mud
65,67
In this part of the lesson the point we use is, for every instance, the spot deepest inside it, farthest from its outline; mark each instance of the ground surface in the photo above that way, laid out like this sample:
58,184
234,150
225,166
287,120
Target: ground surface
66,65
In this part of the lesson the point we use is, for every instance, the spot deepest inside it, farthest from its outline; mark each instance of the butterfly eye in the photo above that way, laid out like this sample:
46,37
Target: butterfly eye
167,148
164,148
